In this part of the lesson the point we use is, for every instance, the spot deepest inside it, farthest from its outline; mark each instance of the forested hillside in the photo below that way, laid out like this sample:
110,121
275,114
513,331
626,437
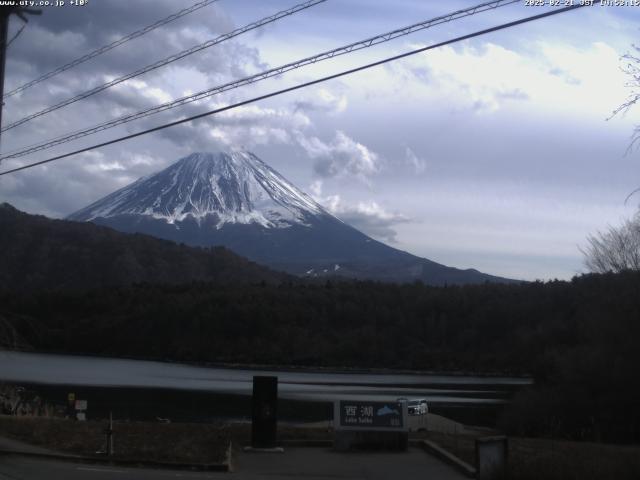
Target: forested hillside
40,253
579,339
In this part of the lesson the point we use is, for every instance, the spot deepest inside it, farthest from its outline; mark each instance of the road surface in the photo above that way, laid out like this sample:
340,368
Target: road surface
316,463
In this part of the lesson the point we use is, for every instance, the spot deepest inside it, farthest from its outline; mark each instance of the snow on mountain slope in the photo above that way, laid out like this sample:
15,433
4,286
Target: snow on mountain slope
234,187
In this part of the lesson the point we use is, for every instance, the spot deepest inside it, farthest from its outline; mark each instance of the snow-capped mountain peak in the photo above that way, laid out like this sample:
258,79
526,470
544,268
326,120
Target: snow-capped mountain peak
234,187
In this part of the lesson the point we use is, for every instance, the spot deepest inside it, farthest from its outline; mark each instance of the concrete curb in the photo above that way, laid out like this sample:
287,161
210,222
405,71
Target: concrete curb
228,459
307,443
263,450
202,467
437,451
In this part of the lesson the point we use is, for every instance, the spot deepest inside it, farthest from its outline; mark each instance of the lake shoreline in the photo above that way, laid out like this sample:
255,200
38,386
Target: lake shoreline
527,378
142,389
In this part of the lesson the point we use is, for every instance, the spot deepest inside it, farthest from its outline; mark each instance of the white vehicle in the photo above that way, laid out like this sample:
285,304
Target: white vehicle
417,406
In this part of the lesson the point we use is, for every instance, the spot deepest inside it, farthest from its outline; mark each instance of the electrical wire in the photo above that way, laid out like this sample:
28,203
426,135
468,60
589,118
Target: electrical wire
111,46
385,37
302,85
17,34
166,61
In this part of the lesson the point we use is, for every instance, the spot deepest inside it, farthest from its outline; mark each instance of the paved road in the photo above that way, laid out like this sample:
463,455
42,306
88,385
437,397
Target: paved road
25,468
316,463
324,464
17,446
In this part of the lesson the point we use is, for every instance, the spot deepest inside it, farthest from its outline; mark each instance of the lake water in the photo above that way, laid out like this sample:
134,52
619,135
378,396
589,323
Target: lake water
47,369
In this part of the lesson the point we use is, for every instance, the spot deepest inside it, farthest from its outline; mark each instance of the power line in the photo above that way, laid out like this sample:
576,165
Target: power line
16,35
168,60
4,31
304,85
5,13
111,46
385,37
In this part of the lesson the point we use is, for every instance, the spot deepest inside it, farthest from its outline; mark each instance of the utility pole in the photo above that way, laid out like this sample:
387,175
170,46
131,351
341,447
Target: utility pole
4,30
5,13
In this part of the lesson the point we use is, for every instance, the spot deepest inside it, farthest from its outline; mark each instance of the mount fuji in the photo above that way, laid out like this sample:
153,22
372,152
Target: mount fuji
236,200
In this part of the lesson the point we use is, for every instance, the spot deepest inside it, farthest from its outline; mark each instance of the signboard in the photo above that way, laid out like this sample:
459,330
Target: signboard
370,415
81,404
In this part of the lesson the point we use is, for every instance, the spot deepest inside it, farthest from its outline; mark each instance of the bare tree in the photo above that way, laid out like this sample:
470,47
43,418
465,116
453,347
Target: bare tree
632,69
618,248
615,250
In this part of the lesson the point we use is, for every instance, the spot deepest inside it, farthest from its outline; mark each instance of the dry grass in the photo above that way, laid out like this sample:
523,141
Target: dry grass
181,443
545,459
554,460
150,441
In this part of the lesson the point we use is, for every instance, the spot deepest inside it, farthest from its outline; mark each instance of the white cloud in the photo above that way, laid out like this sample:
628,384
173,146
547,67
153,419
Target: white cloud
485,79
253,125
368,217
255,113
419,165
340,157
464,74
322,100
248,126
156,94
316,188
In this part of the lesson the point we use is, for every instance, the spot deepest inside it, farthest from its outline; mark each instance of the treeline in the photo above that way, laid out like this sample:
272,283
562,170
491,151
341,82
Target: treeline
579,339
496,328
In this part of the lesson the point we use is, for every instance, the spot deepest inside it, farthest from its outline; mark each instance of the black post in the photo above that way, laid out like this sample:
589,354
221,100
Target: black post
108,432
265,412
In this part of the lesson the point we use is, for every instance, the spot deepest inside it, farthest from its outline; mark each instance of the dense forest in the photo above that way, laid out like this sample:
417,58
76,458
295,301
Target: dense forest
41,253
578,339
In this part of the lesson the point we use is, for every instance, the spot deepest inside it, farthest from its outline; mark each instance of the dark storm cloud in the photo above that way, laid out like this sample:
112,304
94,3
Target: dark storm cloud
84,176
63,34
59,37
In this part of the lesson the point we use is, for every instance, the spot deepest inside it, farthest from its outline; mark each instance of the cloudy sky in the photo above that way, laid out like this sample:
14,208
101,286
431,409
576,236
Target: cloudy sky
493,153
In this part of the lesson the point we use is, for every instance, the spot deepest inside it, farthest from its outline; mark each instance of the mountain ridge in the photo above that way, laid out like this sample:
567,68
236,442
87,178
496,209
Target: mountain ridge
44,253
238,201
